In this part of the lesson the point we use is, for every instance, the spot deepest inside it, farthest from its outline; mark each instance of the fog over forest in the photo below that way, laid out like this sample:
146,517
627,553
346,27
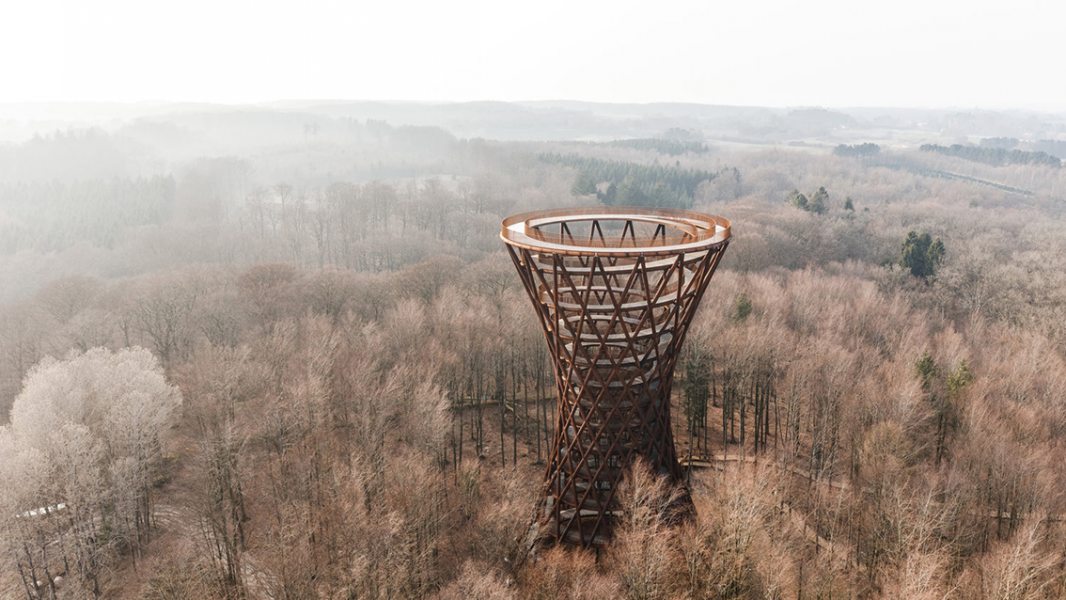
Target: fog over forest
278,350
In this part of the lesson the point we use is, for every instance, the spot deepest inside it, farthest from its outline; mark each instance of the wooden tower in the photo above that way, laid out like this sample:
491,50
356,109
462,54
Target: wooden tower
615,290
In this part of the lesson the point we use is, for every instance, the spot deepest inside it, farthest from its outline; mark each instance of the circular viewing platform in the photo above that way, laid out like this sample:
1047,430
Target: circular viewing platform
615,231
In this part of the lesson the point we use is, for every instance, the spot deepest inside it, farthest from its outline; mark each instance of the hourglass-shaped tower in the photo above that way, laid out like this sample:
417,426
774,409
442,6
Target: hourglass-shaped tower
615,290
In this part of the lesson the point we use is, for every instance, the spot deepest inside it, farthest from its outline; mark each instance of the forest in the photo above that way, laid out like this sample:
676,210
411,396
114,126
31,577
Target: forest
633,183
280,352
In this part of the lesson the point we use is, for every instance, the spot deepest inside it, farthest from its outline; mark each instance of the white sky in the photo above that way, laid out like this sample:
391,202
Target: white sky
926,53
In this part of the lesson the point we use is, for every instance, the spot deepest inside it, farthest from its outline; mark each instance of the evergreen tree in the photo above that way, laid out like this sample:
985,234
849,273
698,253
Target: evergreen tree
609,196
819,203
921,255
927,371
742,307
584,185
960,378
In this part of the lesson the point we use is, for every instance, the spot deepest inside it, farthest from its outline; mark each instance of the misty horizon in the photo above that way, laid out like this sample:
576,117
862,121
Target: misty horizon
282,100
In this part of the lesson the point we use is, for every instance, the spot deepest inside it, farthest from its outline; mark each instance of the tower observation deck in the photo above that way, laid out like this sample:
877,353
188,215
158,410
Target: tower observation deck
615,290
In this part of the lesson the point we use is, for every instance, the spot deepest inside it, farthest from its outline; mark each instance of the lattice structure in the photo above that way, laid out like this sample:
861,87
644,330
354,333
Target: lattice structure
615,291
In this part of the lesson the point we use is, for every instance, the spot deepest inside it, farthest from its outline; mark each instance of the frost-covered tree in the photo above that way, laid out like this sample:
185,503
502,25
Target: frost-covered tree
84,445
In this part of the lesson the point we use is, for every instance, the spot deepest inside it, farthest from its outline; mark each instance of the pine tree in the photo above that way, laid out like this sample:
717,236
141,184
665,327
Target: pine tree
819,203
741,308
584,185
921,255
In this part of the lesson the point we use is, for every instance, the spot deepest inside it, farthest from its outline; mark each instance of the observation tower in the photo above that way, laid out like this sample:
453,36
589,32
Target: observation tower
615,290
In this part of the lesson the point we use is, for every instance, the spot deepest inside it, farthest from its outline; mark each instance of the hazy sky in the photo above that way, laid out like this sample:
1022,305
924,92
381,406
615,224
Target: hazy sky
779,53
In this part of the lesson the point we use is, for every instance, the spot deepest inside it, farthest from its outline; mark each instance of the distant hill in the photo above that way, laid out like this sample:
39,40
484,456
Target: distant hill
556,120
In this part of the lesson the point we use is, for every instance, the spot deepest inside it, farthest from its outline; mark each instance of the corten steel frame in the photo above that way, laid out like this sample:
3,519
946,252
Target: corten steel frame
615,290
